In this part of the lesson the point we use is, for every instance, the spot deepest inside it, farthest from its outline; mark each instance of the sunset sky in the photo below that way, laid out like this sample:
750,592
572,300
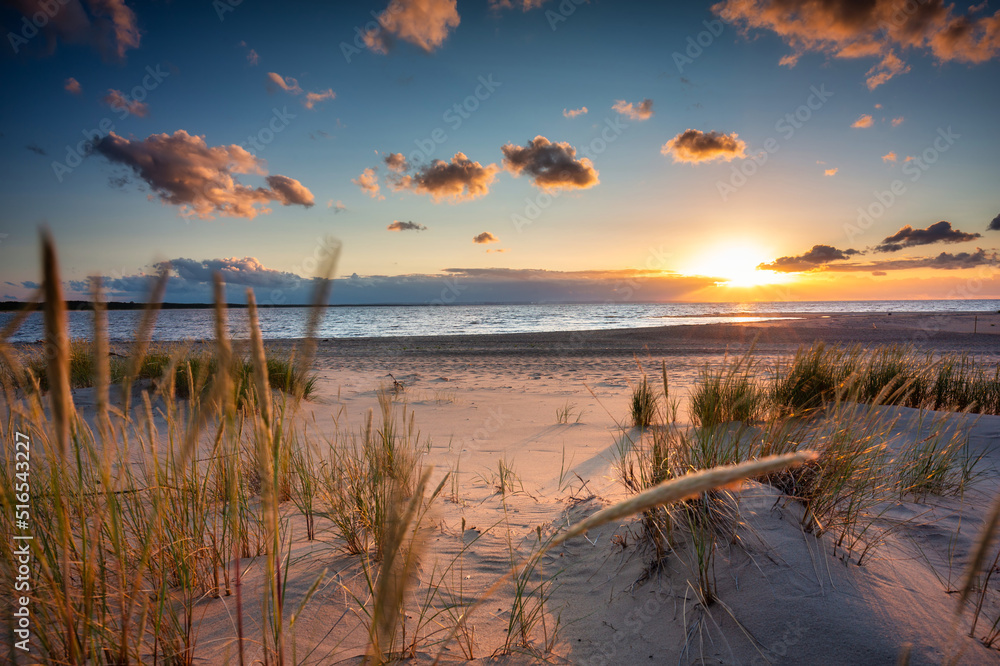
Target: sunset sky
505,150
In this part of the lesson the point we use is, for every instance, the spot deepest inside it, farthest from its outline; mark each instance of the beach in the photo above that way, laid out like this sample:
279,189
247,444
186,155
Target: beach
786,598
525,434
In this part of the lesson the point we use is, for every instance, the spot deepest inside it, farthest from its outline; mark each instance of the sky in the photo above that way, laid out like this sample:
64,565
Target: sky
503,151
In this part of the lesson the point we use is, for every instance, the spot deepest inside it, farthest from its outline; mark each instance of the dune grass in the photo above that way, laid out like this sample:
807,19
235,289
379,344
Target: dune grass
740,414
889,375
191,370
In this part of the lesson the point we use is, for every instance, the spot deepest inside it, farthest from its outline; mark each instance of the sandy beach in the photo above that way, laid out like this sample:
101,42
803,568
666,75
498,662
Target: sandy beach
784,597
552,410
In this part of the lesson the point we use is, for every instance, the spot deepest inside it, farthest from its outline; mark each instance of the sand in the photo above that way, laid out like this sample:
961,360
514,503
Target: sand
784,596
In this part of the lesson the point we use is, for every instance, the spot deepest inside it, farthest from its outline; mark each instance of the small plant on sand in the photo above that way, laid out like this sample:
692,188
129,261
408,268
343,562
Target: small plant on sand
532,589
729,393
643,405
566,412
507,480
939,463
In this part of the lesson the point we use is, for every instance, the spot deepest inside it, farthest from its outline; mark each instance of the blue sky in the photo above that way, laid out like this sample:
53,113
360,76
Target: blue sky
670,220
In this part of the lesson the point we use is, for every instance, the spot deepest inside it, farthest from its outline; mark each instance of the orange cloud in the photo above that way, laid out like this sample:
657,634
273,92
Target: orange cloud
110,25
641,111
368,182
184,171
425,23
485,237
458,180
877,28
72,86
864,121
889,157
831,172
693,146
551,166
119,102
887,68
313,98
397,162
573,113
288,84
896,122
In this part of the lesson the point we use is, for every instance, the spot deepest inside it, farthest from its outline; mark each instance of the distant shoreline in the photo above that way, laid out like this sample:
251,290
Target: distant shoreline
86,306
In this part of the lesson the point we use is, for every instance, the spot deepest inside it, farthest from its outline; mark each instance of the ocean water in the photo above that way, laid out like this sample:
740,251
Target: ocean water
390,320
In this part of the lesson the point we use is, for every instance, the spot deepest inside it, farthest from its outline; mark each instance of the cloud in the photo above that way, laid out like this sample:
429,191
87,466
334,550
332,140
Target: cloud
879,273
944,261
291,86
72,86
396,162
525,5
994,225
818,256
693,146
290,192
338,206
641,111
35,148
458,180
831,172
191,282
124,34
485,237
871,29
889,67
406,226
573,113
313,98
182,170
119,102
939,232
288,84
889,157
107,25
368,182
252,56
864,121
896,122
499,250
551,166
425,23
248,271
828,258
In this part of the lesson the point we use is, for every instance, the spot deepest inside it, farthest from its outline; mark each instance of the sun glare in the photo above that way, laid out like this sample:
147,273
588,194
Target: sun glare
736,266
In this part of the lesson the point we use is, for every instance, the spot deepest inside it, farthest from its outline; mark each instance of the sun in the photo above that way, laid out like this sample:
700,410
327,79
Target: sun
736,266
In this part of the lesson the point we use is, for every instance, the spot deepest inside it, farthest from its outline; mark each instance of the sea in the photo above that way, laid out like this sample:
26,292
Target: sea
412,320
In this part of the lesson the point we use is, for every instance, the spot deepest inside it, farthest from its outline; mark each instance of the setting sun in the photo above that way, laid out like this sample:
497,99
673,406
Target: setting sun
736,266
